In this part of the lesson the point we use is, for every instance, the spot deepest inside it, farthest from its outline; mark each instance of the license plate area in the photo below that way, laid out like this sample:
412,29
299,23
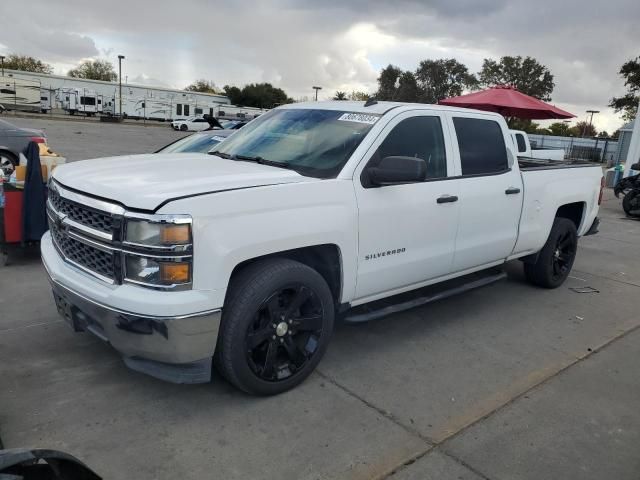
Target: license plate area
68,312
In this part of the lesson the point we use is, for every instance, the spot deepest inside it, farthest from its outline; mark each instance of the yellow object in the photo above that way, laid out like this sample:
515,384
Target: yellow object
174,272
173,234
21,173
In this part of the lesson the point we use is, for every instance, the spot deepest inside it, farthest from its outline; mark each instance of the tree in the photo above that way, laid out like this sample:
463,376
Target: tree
628,103
387,82
584,129
26,63
202,86
526,74
94,70
559,129
523,124
439,79
603,134
260,95
340,95
408,89
359,96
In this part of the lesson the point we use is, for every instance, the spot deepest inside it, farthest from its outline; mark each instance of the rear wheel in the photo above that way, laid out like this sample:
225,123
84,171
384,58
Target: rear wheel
8,162
556,258
276,325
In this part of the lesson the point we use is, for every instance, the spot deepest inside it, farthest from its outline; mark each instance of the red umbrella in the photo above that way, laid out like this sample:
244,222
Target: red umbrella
509,102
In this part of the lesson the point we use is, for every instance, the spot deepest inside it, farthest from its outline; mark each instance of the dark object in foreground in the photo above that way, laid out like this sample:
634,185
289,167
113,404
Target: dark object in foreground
630,188
41,464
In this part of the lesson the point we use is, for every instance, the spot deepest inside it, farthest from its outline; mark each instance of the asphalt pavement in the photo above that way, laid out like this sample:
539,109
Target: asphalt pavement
504,382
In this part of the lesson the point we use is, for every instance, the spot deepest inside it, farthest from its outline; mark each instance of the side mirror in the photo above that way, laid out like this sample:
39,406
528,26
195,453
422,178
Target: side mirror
396,170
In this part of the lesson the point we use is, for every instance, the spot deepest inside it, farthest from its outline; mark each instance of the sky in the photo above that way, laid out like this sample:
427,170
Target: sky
336,44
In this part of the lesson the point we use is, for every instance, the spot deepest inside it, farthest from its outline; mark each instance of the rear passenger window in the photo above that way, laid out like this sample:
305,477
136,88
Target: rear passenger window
482,148
522,146
418,137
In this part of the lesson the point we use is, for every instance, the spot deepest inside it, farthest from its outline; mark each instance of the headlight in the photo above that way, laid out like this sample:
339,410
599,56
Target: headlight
158,251
148,233
157,271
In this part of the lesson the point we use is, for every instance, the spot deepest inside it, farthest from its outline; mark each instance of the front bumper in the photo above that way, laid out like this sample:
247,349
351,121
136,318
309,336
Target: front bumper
177,348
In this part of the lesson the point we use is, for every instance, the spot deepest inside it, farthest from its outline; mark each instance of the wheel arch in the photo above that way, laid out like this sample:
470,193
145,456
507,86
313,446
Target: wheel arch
574,211
326,259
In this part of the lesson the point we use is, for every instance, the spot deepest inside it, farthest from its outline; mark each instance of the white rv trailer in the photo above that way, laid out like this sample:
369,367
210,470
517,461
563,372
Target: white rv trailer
47,99
20,94
80,100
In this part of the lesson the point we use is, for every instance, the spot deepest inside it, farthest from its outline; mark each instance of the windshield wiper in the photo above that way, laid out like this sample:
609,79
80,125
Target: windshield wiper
220,154
262,161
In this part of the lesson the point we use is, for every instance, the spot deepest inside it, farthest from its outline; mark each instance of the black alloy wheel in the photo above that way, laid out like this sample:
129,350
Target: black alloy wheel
276,325
285,333
563,256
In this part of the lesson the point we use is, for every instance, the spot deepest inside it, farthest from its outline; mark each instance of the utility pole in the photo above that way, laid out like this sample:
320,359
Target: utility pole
120,58
316,89
592,112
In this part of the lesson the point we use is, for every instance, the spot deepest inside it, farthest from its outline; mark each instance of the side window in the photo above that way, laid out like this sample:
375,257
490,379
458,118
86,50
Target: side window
522,146
178,109
186,110
418,137
482,148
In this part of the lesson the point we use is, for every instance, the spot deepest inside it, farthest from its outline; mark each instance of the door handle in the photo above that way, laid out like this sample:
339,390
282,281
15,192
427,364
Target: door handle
512,190
447,199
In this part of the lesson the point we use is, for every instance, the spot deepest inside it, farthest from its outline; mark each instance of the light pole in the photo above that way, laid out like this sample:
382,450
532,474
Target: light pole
584,130
120,58
316,89
2,62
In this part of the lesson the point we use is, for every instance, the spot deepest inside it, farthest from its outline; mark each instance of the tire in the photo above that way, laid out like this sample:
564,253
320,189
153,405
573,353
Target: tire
183,128
8,162
556,258
628,203
267,344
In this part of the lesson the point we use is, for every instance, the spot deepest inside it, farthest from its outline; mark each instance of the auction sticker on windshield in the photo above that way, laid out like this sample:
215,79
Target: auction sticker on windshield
359,118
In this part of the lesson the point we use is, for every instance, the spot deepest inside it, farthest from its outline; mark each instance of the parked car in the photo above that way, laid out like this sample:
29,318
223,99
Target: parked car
13,141
194,124
233,124
523,146
201,142
244,259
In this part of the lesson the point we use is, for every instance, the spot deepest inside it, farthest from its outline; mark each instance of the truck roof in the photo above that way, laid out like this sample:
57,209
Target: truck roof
380,107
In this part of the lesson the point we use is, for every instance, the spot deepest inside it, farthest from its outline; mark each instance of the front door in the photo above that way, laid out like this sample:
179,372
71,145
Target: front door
407,232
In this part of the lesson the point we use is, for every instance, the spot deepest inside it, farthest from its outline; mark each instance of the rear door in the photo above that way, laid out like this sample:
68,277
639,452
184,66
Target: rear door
490,191
407,232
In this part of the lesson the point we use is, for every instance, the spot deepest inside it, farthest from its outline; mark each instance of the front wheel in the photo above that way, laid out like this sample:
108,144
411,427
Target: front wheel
554,262
276,325
183,128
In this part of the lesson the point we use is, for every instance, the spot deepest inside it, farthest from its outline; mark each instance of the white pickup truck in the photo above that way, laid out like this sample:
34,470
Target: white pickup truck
523,146
244,258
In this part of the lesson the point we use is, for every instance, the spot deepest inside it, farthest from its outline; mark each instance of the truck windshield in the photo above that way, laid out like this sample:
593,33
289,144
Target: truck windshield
312,142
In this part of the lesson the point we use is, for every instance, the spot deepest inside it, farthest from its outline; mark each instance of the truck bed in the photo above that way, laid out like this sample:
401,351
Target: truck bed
529,163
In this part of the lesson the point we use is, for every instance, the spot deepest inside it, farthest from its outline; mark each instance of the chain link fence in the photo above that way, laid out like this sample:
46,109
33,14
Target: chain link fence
601,150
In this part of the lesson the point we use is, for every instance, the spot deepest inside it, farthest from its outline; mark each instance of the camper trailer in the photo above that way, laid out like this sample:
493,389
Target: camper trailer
80,100
19,94
46,100
233,112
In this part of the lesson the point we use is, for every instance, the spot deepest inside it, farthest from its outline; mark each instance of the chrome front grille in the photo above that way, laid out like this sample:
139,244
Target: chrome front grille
80,213
86,231
82,254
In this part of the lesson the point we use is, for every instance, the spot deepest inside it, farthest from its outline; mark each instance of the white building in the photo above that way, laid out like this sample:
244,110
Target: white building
199,103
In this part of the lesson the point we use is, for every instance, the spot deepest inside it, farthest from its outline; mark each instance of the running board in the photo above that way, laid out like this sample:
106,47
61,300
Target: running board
373,313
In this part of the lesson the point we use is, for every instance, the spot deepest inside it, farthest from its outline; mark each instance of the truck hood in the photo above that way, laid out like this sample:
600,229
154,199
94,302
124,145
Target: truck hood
146,181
